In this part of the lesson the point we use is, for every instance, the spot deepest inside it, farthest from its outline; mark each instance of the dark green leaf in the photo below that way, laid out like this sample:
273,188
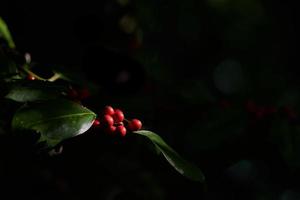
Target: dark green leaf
5,34
287,138
8,68
184,167
55,120
35,90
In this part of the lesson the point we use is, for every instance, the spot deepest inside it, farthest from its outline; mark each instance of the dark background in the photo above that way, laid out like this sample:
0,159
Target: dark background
188,70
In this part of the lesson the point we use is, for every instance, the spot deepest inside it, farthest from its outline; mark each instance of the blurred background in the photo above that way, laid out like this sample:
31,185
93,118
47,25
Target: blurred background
217,79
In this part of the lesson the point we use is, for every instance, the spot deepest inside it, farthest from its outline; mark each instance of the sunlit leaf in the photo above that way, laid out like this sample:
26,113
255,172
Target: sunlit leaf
5,34
55,120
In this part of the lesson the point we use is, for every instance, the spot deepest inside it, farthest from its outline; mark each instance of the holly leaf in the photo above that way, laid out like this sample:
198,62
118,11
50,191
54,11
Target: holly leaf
55,120
5,34
184,167
34,91
25,94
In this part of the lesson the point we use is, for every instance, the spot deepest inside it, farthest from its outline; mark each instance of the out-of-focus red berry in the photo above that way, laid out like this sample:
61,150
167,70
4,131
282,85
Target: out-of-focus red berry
108,110
96,123
30,77
108,120
134,125
118,116
121,130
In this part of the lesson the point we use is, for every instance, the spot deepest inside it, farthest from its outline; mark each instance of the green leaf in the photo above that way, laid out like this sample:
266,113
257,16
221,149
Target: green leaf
4,33
287,138
184,167
34,91
55,120
25,94
8,68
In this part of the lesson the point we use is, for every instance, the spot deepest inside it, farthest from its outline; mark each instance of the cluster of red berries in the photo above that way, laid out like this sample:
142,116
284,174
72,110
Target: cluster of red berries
264,111
260,112
113,121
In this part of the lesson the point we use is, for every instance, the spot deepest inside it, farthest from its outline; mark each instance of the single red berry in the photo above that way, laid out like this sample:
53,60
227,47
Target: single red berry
30,77
118,116
121,130
108,110
110,129
108,120
135,125
96,123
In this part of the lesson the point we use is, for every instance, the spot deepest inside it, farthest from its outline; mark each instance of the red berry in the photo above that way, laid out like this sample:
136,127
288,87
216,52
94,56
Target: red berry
110,129
121,130
30,77
118,116
135,125
108,120
108,110
96,123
